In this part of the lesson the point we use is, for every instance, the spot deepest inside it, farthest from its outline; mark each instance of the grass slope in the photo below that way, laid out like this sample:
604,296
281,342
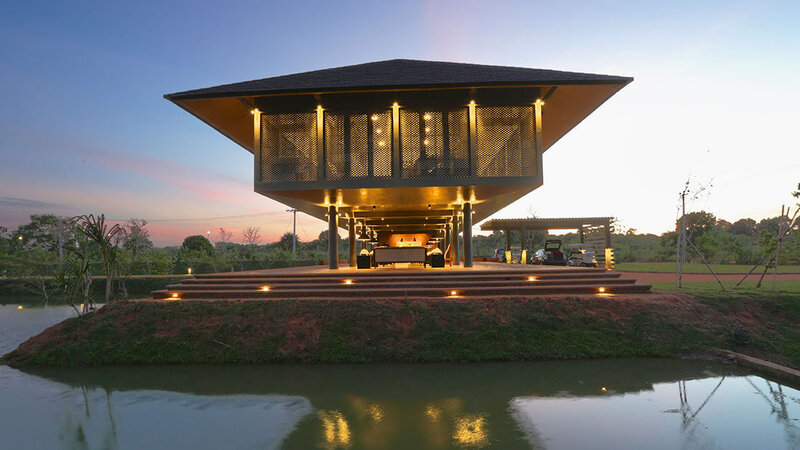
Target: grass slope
129,332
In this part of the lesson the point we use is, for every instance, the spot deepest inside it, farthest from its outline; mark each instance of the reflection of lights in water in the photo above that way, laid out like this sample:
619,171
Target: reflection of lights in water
375,412
471,431
433,413
335,427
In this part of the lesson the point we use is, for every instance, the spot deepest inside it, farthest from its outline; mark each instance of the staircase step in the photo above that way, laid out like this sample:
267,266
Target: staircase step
400,292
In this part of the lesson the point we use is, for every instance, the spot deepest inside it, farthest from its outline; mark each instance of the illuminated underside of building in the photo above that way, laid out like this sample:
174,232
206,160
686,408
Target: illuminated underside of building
401,146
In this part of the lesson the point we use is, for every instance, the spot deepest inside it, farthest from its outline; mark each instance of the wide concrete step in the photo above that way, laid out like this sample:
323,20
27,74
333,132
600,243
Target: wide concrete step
378,273
389,292
402,278
371,284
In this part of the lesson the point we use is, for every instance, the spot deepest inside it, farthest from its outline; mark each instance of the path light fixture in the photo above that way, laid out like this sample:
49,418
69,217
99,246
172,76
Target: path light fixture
348,281
453,293
601,290
20,307
531,278
265,288
189,270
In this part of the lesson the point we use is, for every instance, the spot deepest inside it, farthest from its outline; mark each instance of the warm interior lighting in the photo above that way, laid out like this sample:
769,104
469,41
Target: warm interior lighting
348,281
265,288
427,129
427,116
374,117
381,143
472,102
602,289
378,130
395,104
426,142
539,101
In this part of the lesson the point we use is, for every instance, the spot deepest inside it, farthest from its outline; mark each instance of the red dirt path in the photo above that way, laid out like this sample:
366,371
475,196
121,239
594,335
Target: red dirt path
660,277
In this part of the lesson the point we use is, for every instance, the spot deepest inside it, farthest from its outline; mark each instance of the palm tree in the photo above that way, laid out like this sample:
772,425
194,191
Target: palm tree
97,231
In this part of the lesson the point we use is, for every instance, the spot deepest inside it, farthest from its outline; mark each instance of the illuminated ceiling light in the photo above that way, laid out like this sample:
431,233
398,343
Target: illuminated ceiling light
539,101
265,288
427,116
319,107
395,104
375,116
427,129
472,102
348,281
426,142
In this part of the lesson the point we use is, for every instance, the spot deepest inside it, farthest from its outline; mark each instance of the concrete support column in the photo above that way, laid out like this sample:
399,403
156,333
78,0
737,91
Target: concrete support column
467,234
508,239
333,239
522,244
580,234
454,245
446,241
351,225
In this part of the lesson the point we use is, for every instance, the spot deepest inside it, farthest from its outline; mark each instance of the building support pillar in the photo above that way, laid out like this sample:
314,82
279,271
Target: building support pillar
455,260
522,248
333,239
580,234
508,239
446,243
467,234
351,225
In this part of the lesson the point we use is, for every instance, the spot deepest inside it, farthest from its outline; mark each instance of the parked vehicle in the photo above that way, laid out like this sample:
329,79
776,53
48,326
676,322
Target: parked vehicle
550,255
581,256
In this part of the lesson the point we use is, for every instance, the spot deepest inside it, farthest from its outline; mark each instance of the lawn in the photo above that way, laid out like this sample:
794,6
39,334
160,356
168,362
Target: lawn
698,268
747,288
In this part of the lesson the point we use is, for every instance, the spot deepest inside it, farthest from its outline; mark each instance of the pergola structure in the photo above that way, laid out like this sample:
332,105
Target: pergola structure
599,227
401,147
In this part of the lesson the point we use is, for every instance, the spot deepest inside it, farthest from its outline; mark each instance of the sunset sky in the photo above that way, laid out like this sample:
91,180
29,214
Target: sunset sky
84,127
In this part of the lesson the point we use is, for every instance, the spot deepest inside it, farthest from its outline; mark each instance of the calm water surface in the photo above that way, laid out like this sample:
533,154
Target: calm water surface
634,403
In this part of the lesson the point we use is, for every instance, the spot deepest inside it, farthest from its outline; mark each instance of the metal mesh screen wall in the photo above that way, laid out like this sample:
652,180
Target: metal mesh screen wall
288,147
505,141
358,157
457,156
381,143
334,146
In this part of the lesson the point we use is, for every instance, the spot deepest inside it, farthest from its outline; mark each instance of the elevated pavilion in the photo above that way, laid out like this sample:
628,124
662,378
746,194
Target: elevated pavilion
401,147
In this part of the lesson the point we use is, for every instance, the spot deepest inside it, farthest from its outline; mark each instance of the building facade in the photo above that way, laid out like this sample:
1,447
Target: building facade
401,147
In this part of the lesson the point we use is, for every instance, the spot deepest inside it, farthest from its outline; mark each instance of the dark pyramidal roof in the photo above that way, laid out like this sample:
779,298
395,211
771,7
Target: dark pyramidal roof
398,74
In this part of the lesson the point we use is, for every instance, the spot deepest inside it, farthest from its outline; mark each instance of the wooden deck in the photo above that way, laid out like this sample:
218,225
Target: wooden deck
485,279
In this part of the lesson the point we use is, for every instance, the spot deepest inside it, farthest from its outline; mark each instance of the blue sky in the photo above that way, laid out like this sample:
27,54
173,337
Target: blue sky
84,127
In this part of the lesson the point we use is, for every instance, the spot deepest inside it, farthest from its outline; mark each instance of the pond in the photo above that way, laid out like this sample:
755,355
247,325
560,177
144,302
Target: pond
630,403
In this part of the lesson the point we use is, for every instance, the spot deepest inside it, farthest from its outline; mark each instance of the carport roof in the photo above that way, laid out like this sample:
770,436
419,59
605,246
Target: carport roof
559,223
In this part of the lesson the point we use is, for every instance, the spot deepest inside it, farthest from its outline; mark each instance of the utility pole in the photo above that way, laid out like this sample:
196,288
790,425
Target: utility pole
60,240
680,254
294,231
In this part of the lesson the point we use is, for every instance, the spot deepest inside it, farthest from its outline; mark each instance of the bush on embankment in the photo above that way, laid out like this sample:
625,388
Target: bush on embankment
136,332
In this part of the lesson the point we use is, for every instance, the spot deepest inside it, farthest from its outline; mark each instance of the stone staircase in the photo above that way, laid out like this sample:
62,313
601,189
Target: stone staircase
401,283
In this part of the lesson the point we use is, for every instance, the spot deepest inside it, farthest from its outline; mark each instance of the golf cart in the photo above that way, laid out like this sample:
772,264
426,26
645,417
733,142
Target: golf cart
581,256
550,255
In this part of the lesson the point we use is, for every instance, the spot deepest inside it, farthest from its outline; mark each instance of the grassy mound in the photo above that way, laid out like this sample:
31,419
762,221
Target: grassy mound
145,332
